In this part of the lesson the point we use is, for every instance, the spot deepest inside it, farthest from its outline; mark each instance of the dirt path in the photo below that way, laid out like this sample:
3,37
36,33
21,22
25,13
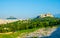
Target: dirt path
7,33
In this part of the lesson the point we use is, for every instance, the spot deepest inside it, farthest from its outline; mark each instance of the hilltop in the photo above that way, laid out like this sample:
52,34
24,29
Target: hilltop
45,15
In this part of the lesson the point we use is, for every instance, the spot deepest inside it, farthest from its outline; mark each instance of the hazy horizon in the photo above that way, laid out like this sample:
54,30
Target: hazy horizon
28,8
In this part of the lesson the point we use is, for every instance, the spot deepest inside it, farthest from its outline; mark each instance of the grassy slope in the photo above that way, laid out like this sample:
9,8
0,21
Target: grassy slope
17,33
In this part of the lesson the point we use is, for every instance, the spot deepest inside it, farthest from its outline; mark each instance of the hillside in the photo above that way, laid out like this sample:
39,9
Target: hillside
28,26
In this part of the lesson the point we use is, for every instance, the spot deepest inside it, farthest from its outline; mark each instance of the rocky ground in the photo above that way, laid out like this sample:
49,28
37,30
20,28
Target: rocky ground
39,33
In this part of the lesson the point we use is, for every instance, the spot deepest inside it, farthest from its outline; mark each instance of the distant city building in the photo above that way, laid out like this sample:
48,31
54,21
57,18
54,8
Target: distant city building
5,21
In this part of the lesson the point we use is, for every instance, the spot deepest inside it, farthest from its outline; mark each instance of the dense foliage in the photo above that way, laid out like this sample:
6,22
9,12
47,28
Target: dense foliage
29,24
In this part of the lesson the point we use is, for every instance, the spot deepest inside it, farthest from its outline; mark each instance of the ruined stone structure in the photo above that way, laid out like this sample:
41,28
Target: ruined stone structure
46,15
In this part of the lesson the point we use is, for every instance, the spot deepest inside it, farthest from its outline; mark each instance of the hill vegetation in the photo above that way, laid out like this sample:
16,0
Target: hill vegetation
29,24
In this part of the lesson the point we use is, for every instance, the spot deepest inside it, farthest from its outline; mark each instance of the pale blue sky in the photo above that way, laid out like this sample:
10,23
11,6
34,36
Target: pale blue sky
28,8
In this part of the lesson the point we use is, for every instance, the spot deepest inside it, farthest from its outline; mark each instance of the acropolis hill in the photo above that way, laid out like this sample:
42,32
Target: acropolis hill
4,21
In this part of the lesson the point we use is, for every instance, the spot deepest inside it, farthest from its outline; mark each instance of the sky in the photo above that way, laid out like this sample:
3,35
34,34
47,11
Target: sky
28,8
